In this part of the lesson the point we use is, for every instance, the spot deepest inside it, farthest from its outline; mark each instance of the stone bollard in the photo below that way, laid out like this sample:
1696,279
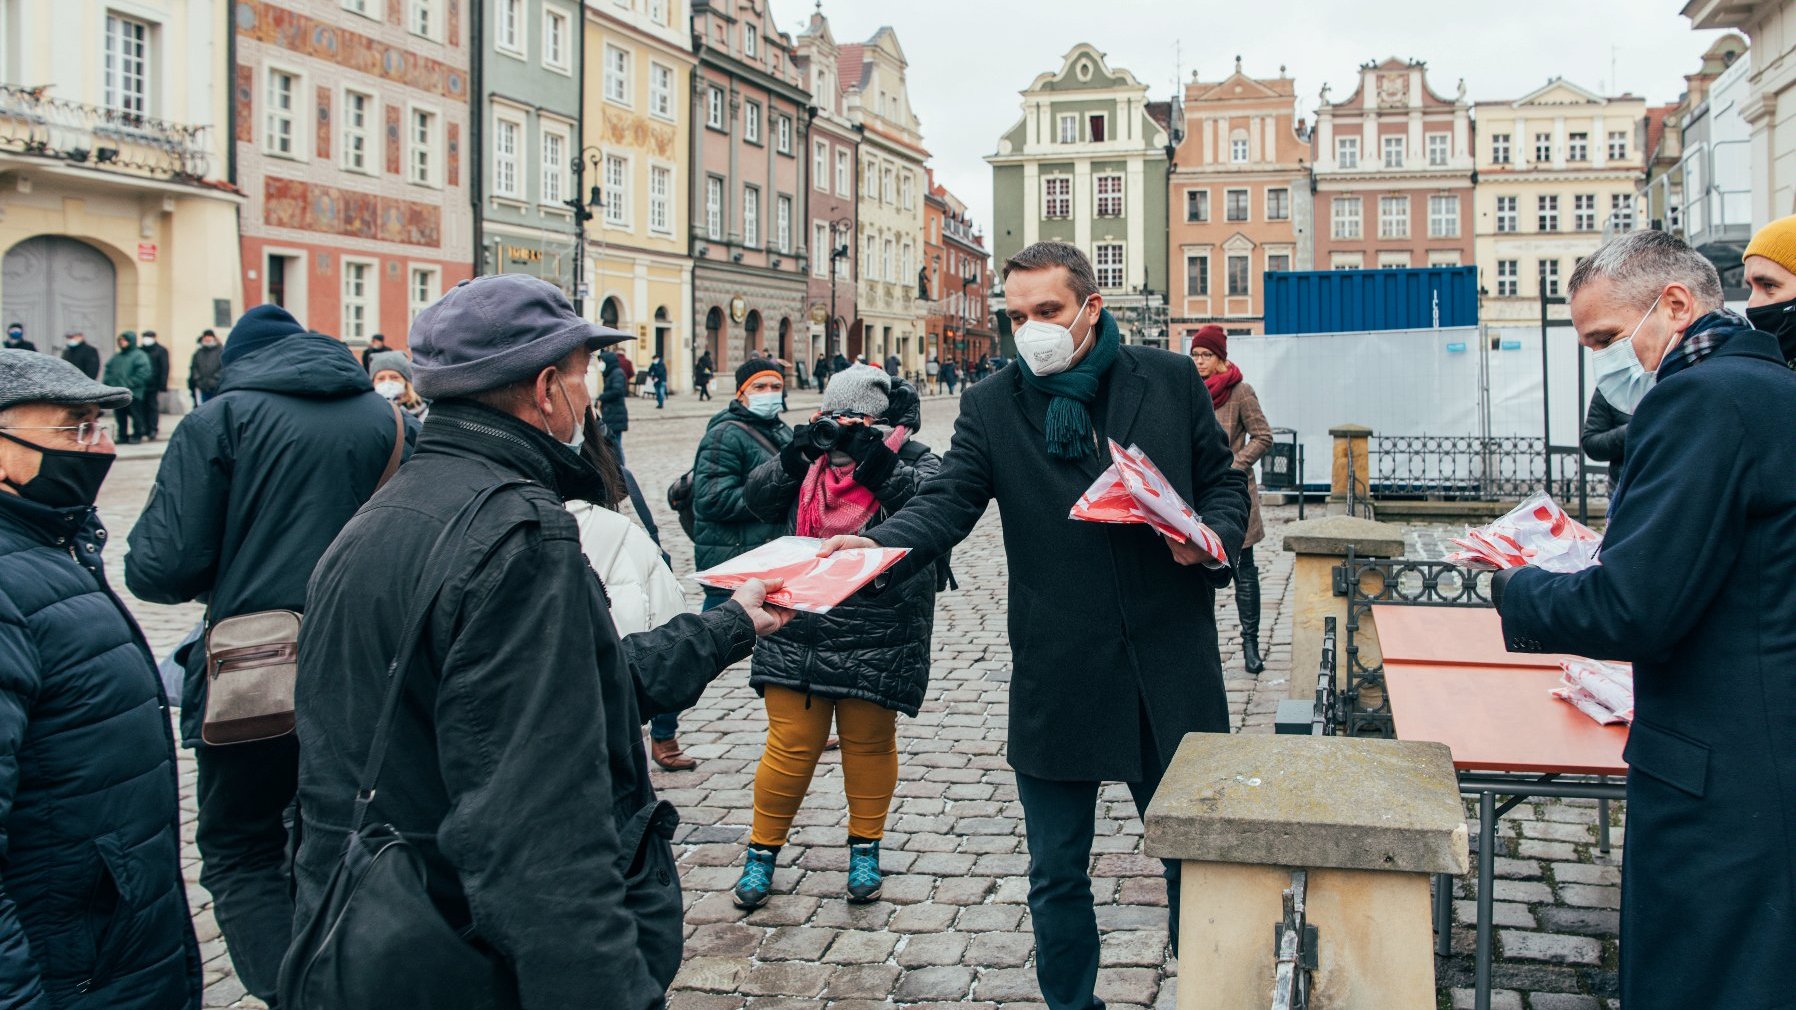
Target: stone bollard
1368,820
1352,443
1320,544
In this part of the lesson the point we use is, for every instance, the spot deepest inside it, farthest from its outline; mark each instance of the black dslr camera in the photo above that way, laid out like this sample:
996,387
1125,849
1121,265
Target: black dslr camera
827,434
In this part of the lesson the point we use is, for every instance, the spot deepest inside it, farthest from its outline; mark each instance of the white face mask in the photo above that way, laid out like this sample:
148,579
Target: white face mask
765,404
1620,376
148,341
390,389
1048,348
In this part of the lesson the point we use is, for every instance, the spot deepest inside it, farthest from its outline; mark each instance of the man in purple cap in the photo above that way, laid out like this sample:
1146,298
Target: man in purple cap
515,760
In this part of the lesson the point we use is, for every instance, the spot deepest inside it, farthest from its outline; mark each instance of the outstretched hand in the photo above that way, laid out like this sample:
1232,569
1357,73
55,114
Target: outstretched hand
1188,553
845,543
753,598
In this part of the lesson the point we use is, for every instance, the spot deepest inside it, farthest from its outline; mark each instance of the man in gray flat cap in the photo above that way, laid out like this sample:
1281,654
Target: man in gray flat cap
515,759
89,797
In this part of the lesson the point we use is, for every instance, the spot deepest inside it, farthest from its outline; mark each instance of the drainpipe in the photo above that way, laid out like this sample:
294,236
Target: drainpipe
476,122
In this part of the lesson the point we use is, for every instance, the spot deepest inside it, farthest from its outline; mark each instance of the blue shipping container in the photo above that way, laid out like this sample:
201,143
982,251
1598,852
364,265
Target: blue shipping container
1342,301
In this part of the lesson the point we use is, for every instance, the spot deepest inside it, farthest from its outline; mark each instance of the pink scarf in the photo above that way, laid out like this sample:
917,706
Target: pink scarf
830,503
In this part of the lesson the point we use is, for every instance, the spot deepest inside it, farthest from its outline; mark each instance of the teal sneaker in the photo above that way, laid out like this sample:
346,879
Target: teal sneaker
756,882
863,873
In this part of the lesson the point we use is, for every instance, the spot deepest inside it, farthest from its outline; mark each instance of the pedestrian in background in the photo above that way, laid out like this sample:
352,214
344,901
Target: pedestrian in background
950,375
1695,589
737,439
254,485
657,374
15,339
130,368
893,365
206,369
152,403
614,400
516,763
701,375
821,371
78,352
1770,262
862,663
932,370
93,908
377,344
1241,419
1605,435
391,373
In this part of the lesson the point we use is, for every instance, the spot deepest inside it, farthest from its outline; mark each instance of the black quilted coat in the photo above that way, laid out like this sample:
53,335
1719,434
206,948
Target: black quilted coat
871,647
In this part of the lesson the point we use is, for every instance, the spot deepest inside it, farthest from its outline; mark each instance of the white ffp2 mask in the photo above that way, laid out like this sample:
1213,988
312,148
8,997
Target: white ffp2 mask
1047,348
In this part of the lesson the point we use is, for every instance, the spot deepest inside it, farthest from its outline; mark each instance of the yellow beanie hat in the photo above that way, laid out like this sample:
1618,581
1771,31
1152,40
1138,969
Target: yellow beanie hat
1776,242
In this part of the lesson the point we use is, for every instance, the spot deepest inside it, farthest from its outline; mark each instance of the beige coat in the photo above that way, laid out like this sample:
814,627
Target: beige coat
1249,436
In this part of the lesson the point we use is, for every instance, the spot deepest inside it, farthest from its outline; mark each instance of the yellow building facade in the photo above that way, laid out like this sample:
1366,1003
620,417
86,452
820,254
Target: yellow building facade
1558,172
115,209
637,139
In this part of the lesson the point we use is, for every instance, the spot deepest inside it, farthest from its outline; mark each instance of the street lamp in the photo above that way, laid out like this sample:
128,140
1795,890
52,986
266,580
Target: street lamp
583,212
837,251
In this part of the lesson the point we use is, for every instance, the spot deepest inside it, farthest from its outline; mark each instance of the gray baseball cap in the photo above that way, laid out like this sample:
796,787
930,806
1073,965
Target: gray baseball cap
30,377
495,330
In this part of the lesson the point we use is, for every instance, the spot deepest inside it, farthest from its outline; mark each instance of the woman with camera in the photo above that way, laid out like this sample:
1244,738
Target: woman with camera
864,661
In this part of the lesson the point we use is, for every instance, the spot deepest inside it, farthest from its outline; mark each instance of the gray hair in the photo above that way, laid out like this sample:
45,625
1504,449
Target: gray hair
1047,255
1641,263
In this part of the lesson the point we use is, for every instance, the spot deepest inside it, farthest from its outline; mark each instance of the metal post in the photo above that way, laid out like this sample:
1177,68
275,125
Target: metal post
1583,408
1300,487
579,238
1443,914
1487,843
1546,401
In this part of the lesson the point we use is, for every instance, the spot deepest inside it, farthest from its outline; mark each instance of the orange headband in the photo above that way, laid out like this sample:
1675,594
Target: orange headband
751,379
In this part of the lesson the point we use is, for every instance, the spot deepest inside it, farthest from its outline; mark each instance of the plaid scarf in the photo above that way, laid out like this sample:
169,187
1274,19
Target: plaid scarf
1702,339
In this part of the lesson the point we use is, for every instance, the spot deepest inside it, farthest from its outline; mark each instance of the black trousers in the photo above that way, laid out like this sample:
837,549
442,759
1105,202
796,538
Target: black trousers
245,791
152,413
1059,819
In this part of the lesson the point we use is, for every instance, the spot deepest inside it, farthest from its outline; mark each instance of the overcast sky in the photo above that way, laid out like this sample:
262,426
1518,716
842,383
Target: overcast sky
970,58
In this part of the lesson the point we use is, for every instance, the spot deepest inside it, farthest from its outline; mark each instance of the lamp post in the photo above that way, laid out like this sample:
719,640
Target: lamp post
1546,402
838,251
583,212
966,315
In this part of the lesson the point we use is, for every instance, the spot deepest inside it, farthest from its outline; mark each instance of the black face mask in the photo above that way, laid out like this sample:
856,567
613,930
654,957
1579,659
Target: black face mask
1779,320
66,478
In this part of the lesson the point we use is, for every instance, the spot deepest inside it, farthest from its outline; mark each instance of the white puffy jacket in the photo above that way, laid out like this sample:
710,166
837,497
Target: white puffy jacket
644,593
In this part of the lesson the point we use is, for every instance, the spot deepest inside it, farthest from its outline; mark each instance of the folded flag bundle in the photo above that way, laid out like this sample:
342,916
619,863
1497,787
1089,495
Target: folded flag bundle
1537,532
1133,490
1602,691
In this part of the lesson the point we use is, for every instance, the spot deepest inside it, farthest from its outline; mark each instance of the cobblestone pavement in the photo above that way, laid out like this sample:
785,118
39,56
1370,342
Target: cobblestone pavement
953,927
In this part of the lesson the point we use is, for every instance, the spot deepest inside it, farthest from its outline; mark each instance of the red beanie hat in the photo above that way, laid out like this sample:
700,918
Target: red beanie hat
1213,338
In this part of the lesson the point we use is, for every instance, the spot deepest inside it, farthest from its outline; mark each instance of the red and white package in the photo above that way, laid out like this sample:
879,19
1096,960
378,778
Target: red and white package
1537,532
812,584
1133,490
1602,691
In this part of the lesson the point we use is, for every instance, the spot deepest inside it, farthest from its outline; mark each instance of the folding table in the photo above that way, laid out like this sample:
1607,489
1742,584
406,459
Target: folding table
1508,735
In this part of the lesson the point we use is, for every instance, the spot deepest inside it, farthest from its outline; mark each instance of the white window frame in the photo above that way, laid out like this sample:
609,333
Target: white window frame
661,204
1091,135
820,165
370,9
1509,214
1228,274
751,40
888,269
370,130
820,248
505,115
661,91
1049,199
1107,204
616,173
1063,135
1509,278
1343,225
1500,149
1572,149
1546,273
1546,206
907,191
617,78
1618,137
782,223
751,122
844,175
553,172
714,114
1443,215
713,208
1439,147
433,277
1238,150
1117,272
1278,213
1283,254
657,11
296,122
1203,275
1347,152
1393,146
751,216
368,302
1621,210
782,134
1202,200
518,45
117,73
432,147
1228,204
1543,142
1390,224
565,64
427,12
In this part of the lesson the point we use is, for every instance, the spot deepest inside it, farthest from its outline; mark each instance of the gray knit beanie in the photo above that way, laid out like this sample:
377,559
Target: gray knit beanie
862,389
381,361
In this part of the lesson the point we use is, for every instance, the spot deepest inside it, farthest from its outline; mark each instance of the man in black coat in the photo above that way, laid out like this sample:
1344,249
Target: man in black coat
78,352
1605,435
614,401
1112,628
254,485
516,762
1697,589
376,344
206,370
15,339
93,910
152,404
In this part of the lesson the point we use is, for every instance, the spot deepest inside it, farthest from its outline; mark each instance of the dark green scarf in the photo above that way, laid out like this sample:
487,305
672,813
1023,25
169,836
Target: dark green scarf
1069,419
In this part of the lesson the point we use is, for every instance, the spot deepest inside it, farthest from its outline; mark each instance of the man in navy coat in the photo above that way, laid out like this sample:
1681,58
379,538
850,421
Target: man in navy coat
1697,587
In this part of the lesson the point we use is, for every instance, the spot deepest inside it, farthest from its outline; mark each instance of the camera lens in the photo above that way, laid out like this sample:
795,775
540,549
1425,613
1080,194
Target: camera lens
824,433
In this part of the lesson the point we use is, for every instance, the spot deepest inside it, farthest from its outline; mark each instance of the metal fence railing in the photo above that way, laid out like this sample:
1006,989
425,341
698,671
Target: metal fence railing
1476,468
34,123
1295,942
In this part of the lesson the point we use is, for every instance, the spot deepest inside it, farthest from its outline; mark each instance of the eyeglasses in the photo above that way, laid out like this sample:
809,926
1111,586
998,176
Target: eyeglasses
86,433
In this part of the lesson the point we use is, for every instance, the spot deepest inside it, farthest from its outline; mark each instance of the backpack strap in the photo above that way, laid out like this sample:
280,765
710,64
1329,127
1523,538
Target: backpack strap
435,577
398,454
757,435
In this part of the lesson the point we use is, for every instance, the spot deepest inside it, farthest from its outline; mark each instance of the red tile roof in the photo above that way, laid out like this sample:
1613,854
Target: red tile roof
848,65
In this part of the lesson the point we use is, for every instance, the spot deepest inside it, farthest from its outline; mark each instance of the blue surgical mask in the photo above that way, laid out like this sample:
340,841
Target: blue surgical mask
1620,376
766,404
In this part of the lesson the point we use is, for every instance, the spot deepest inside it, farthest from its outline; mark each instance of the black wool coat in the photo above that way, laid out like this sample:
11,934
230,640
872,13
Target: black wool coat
1104,624
1697,589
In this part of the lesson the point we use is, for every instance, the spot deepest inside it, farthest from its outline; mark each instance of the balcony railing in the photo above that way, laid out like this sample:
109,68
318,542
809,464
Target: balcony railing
34,123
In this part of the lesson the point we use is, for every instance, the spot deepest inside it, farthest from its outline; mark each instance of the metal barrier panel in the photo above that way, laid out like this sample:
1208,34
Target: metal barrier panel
1476,468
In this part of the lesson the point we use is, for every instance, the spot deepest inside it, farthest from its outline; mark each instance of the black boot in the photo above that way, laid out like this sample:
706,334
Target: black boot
1247,607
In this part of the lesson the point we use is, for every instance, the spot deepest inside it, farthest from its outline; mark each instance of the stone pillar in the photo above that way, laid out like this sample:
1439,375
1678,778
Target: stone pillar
1320,544
1370,820
1352,441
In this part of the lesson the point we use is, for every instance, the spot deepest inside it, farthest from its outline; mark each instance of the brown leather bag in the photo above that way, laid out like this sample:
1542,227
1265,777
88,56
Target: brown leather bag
252,660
